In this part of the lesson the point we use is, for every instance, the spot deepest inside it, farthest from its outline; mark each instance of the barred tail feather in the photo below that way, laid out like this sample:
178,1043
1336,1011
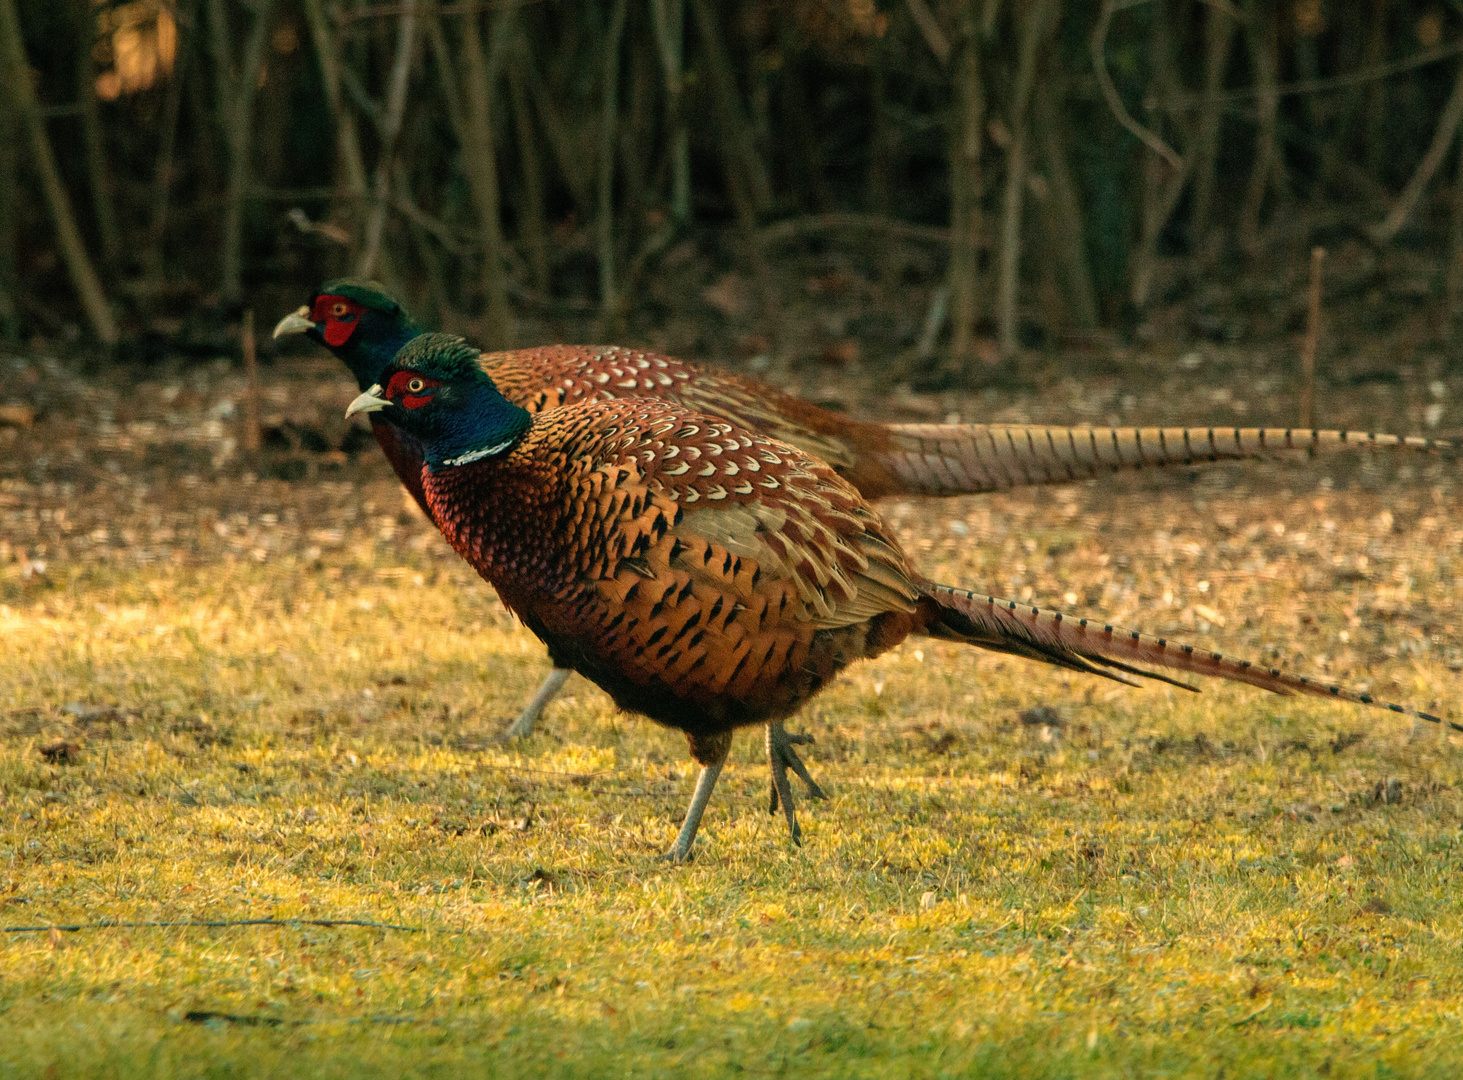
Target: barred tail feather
950,459
1084,644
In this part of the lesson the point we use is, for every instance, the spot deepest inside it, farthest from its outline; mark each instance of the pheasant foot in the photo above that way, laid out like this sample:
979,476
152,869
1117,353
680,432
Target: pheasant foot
780,757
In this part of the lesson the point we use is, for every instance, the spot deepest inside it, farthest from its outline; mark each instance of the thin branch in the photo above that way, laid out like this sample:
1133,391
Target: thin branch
1383,232
780,232
1359,77
1110,92
929,26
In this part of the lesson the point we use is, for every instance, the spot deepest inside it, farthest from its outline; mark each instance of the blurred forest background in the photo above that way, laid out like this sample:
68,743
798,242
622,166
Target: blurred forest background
960,179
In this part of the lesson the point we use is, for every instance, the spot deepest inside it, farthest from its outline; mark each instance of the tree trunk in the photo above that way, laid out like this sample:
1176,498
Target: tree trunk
9,301
1455,249
966,225
479,75
240,112
1379,93
1262,33
390,129
73,250
1063,208
348,146
748,176
880,196
1033,28
609,120
669,19
1164,176
1218,34
532,224
97,173
167,145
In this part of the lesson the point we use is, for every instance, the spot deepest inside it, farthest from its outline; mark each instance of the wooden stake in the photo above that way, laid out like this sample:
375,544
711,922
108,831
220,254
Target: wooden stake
252,440
1308,350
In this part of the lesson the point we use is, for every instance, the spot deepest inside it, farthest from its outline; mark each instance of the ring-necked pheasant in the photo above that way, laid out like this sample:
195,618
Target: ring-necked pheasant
703,575
364,326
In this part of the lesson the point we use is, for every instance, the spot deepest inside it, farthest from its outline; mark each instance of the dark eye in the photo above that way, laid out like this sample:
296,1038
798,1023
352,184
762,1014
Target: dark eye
338,310
416,386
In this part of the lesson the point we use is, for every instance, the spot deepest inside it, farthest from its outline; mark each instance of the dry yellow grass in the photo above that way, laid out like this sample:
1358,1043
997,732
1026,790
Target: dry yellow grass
283,696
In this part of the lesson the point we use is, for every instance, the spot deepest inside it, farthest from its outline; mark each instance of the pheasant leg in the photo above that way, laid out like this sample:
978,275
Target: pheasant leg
681,850
780,757
523,726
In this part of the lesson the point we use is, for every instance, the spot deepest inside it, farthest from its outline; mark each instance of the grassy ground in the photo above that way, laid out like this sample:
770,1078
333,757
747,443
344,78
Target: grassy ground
228,696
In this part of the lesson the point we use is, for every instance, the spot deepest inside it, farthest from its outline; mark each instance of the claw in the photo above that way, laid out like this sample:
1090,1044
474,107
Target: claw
780,757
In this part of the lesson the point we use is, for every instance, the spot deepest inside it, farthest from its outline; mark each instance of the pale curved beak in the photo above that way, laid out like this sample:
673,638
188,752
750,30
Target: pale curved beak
370,401
296,322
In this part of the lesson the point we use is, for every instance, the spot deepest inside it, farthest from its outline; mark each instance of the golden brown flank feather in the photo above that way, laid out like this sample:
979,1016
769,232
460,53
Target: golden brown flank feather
704,576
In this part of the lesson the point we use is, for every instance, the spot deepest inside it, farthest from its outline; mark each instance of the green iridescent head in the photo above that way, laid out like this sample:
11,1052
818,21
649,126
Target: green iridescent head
436,390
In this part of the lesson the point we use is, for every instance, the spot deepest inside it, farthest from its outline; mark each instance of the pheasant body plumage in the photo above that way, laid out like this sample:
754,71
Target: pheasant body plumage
703,575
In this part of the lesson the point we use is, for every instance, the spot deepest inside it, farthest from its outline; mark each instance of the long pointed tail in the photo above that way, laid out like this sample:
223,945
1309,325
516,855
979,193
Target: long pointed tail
961,459
1088,645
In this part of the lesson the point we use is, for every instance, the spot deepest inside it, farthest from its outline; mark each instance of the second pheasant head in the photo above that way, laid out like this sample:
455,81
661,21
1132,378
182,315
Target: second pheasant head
356,320
435,389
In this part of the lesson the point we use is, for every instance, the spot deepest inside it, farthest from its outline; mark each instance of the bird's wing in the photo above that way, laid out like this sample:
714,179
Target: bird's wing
554,376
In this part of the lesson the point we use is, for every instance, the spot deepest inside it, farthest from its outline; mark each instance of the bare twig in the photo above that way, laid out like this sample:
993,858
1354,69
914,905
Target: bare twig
1383,232
252,440
390,129
780,232
1368,74
1098,44
1308,350
929,26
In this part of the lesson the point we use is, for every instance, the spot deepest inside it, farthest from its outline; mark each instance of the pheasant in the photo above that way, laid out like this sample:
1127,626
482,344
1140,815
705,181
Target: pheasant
705,576
364,327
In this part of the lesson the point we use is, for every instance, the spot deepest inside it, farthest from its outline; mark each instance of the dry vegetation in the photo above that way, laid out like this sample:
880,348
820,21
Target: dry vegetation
231,695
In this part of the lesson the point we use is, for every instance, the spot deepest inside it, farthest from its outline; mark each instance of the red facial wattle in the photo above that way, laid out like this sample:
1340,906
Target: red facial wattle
340,315
406,389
